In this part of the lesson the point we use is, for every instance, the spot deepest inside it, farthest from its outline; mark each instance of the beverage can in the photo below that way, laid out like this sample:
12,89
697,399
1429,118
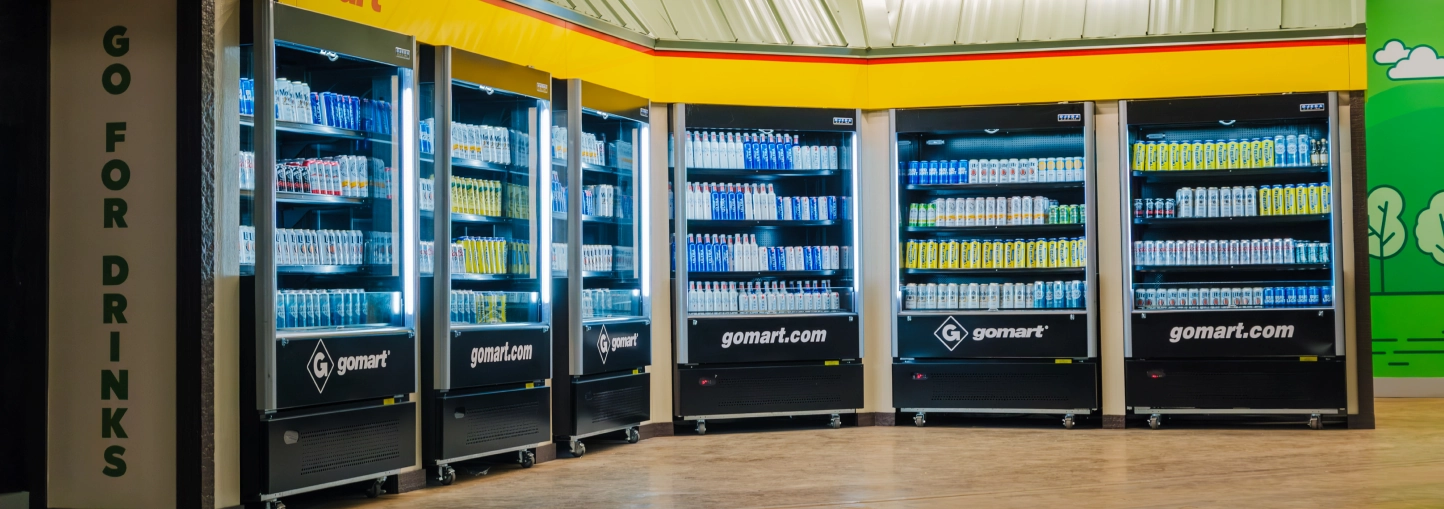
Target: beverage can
1266,153
1168,207
1184,195
1313,199
1326,296
1291,150
1291,199
1239,209
1305,150
1213,202
1197,150
1185,156
1231,161
1256,154
1250,201
1225,202
1276,200
1210,155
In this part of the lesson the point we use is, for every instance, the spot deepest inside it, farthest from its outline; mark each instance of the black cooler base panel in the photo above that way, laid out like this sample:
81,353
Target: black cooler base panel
995,385
704,390
608,402
311,449
1236,384
477,423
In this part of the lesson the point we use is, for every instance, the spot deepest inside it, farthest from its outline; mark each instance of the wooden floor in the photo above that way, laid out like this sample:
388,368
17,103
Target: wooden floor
1398,465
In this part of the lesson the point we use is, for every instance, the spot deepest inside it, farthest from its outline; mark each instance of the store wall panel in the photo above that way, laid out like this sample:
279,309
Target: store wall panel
1130,74
874,210
1052,20
989,21
760,82
1116,18
1235,15
1111,287
1180,17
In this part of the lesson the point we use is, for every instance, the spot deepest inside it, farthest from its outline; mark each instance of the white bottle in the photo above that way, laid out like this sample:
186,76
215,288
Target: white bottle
737,155
690,149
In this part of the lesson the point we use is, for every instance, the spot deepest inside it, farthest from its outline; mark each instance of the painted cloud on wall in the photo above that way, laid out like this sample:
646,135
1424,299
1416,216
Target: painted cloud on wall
1419,62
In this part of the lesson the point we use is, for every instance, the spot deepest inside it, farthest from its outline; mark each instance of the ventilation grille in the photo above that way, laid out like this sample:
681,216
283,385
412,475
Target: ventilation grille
1240,388
348,446
501,422
779,390
990,387
619,403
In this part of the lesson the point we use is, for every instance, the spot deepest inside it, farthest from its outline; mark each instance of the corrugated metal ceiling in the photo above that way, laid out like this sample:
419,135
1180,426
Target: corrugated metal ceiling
873,24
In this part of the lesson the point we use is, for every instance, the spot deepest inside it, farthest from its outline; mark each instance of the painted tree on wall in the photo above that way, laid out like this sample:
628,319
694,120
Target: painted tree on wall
1386,230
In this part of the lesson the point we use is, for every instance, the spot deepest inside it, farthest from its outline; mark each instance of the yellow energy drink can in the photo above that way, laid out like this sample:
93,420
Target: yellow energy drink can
1020,254
1209,155
1255,147
1140,156
986,258
1000,257
1185,156
1052,254
1277,199
1313,191
1221,146
976,254
1291,200
1150,155
1174,152
1198,153
1231,159
1266,153
912,255
1326,205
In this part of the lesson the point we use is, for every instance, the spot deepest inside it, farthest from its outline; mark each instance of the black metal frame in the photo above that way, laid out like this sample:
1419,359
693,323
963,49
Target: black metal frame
713,378
1048,363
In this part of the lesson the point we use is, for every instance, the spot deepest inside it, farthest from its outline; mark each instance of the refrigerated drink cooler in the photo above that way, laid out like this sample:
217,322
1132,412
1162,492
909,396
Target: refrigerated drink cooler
995,265
1231,248
329,227
599,172
765,263
486,285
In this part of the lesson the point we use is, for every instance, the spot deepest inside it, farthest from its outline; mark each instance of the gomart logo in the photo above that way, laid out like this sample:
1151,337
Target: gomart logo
321,366
1230,332
607,344
778,336
952,333
503,353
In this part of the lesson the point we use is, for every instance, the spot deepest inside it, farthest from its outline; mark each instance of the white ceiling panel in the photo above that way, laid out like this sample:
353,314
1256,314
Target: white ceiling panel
1317,13
1115,18
1241,15
927,22
808,22
1052,20
875,24
752,21
1167,17
989,21
655,17
848,15
698,20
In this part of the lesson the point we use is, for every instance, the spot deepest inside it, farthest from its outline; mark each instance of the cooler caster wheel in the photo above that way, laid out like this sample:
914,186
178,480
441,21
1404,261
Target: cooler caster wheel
1315,422
276,504
447,475
1154,421
701,426
633,436
578,449
836,422
526,458
375,489
1068,421
920,420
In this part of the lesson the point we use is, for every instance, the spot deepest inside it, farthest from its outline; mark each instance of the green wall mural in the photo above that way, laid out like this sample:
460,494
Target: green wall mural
1404,121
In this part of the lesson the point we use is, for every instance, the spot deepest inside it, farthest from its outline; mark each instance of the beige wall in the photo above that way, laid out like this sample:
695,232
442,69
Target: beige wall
659,237
227,353
874,202
1112,290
